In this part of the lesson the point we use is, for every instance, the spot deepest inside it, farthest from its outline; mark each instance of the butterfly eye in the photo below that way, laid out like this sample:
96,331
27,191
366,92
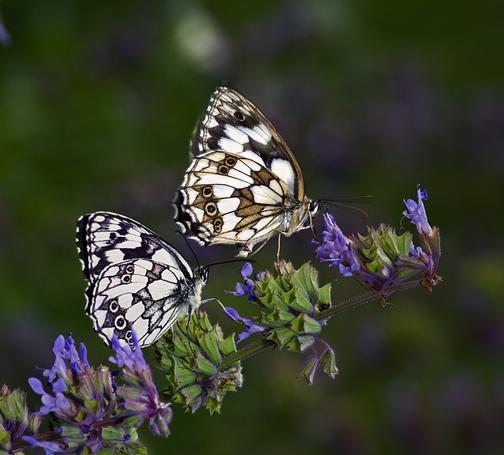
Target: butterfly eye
313,208
239,115
120,323
128,335
223,169
230,161
113,306
210,208
130,269
125,278
207,191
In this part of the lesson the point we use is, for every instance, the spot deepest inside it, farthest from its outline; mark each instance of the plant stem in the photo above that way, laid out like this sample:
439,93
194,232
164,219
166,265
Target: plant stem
353,302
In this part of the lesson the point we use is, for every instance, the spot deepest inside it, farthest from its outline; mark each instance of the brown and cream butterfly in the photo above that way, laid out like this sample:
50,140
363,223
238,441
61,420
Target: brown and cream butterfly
244,184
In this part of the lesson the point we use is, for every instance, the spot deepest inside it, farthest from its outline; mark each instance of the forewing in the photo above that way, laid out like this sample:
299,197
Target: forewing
137,295
235,125
105,238
229,198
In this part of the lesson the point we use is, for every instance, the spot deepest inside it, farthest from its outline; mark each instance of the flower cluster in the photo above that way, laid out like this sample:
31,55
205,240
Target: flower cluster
193,359
291,305
383,259
95,407
138,392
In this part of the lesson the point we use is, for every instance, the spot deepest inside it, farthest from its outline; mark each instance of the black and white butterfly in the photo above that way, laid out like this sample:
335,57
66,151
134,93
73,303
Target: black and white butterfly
244,184
136,281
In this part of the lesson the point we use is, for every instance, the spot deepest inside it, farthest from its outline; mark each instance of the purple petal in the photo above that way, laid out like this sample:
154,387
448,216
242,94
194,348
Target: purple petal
59,386
246,270
231,313
240,290
59,345
415,212
83,354
48,446
36,386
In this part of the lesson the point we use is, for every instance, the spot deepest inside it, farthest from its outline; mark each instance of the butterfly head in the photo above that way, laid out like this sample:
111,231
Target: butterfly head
299,214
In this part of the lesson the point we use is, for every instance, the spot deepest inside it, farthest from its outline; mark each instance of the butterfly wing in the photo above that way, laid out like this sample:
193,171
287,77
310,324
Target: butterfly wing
230,198
235,125
136,280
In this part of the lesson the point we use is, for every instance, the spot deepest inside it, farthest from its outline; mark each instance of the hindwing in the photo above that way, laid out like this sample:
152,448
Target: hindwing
229,198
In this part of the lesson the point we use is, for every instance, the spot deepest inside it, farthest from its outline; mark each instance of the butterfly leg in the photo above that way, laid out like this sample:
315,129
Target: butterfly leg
278,247
311,225
244,249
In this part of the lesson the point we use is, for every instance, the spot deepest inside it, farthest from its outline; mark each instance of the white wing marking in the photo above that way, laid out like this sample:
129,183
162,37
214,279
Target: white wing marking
265,195
283,169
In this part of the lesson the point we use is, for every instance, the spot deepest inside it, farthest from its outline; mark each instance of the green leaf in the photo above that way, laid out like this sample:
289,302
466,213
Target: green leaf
211,346
4,437
310,369
305,324
213,405
281,336
205,366
300,343
227,345
183,375
329,363
325,294
191,392
305,282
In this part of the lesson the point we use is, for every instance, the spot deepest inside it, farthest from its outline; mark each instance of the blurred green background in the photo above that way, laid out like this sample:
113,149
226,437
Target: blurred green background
97,103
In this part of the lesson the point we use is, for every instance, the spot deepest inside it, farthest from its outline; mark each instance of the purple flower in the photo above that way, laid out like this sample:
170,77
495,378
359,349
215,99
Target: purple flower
336,249
382,258
88,399
247,287
138,391
415,212
250,325
49,447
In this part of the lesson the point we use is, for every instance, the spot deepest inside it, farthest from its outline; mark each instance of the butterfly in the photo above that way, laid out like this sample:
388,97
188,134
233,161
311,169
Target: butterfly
137,282
244,184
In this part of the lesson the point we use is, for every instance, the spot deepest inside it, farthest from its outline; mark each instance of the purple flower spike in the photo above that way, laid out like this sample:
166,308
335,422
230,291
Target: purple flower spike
415,212
336,249
139,392
251,326
83,397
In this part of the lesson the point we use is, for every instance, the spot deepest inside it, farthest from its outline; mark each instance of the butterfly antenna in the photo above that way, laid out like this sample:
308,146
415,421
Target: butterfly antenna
190,247
341,203
358,210
363,199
